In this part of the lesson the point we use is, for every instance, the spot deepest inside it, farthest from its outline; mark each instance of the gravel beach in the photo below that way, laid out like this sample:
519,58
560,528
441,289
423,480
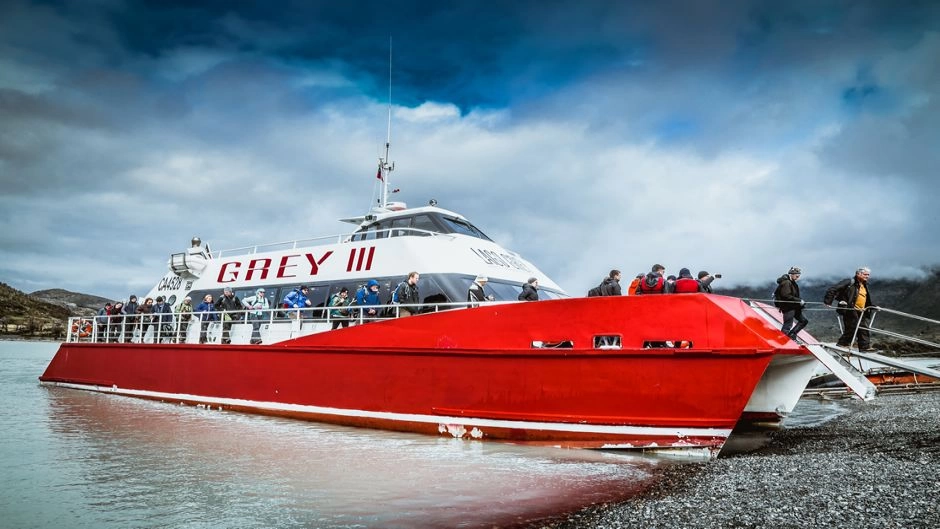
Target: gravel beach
876,466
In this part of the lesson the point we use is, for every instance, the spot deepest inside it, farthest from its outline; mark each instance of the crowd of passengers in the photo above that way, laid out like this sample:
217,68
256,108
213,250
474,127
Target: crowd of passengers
120,319
655,282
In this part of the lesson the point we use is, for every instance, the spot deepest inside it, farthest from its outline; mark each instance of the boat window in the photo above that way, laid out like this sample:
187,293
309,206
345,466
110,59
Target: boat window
425,223
370,232
400,223
667,344
562,344
464,227
501,291
612,341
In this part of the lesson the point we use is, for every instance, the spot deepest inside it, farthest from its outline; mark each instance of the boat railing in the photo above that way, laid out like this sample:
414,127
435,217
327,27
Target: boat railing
328,239
239,326
867,321
870,326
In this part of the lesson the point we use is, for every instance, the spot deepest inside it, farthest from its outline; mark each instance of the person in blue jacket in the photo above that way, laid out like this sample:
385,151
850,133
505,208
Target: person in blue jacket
206,311
296,299
367,299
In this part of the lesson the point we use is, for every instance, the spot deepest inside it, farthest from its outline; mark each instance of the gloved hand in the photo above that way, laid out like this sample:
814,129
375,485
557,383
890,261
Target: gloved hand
802,303
843,304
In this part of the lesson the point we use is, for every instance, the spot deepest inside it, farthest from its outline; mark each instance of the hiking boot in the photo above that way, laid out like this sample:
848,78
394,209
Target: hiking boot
867,349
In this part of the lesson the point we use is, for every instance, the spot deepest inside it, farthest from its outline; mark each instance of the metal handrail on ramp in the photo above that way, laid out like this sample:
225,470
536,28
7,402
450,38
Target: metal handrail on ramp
853,378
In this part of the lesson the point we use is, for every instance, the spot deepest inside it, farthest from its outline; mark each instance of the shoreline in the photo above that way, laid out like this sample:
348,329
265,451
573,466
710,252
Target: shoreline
876,466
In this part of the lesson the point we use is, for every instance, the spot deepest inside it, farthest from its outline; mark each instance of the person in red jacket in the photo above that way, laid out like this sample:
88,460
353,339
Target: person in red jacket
685,283
653,282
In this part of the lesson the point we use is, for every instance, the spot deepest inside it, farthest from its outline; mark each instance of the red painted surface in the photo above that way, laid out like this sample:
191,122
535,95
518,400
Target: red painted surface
480,363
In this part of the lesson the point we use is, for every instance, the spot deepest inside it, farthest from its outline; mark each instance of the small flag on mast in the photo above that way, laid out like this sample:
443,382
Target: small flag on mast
379,174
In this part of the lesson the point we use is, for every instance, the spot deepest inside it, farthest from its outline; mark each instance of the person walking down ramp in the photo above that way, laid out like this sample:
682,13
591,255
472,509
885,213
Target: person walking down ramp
855,304
787,299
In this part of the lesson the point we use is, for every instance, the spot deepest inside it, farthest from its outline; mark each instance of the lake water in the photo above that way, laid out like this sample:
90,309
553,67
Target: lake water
75,459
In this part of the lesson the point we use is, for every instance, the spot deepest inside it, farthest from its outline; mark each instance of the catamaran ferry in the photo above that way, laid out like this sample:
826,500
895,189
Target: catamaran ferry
672,372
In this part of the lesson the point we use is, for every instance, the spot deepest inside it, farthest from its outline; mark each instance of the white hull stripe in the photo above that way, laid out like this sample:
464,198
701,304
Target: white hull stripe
407,417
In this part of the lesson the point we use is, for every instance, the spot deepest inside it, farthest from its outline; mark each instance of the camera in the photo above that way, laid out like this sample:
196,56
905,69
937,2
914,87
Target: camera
717,276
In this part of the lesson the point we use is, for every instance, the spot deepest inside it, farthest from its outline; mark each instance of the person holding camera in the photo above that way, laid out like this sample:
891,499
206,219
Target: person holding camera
705,281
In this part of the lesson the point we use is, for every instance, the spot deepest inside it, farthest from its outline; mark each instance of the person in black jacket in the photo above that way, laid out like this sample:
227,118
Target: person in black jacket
855,307
611,284
530,290
787,299
230,307
407,294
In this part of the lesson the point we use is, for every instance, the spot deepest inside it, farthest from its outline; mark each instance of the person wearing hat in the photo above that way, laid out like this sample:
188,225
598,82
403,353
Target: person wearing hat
685,283
296,299
185,309
258,308
705,281
787,299
530,290
367,298
476,294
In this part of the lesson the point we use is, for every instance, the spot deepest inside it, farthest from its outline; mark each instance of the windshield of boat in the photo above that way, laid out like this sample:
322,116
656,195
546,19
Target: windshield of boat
421,224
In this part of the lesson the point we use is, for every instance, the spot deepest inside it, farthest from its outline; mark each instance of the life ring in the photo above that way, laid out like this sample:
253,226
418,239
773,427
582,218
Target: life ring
82,328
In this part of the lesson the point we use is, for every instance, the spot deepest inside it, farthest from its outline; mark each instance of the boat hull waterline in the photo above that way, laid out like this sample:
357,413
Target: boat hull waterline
477,373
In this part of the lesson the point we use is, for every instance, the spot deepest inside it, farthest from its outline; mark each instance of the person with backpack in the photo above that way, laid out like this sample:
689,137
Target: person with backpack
530,290
631,290
339,308
855,307
787,299
610,286
653,282
258,308
407,294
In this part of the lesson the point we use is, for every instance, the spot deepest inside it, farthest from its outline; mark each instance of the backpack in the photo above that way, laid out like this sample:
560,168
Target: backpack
395,299
652,284
596,291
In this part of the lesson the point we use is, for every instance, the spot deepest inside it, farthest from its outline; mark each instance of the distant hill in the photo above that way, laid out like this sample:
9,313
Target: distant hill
77,303
917,297
24,315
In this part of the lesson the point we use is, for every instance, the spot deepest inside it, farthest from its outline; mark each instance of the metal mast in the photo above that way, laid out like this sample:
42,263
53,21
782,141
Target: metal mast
385,168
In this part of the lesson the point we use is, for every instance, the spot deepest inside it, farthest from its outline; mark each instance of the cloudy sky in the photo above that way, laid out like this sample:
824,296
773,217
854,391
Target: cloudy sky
737,137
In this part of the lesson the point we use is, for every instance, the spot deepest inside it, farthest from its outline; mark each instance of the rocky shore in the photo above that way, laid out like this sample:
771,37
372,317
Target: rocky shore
876,466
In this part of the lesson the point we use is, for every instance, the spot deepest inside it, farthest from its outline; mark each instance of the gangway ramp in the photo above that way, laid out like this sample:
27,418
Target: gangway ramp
887,361
854,379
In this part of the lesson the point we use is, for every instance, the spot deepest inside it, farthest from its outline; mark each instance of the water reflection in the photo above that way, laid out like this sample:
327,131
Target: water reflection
143,463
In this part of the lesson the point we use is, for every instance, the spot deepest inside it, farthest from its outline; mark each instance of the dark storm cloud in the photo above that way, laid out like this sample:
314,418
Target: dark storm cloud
128,127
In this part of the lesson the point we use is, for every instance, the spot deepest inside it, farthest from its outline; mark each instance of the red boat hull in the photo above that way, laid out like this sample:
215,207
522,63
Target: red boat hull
475,373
